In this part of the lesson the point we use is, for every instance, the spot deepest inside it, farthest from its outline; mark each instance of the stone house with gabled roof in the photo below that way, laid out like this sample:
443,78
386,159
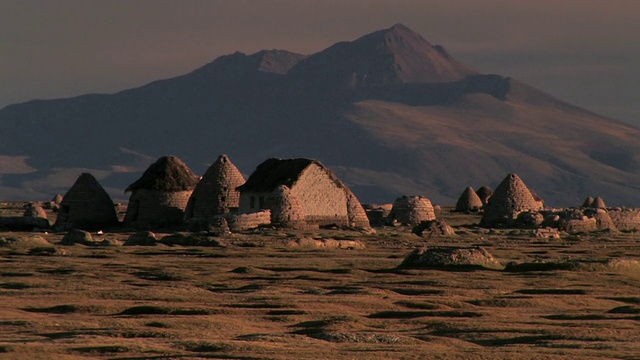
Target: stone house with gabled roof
320,198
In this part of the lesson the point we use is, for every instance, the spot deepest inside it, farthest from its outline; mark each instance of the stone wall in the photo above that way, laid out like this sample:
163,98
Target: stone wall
238,222
626,219
156,208
322,200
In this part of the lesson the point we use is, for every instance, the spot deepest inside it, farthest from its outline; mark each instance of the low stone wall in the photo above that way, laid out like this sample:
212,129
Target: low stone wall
626,219
249,220
25,223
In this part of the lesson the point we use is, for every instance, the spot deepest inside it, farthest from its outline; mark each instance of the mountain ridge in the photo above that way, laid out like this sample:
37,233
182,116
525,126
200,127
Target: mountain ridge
387,131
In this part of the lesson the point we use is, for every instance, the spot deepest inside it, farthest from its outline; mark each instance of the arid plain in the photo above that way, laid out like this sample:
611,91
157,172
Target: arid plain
328,293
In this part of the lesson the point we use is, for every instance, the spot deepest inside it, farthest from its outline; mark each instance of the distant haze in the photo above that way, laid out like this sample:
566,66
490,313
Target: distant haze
583,51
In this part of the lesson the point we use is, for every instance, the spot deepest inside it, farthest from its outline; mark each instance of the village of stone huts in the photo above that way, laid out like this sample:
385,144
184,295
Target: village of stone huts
293,194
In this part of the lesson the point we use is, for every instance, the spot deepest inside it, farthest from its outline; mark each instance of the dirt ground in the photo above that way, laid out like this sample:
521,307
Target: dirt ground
275,294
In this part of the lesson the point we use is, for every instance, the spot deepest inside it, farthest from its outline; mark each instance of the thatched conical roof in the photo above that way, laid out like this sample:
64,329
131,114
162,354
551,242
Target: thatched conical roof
285,208
510,198
484,193
216,192
468,200
86,205
167,174
412,210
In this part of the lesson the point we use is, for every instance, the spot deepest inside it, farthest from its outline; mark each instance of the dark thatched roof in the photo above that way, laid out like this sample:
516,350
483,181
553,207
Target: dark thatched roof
273,172
169,174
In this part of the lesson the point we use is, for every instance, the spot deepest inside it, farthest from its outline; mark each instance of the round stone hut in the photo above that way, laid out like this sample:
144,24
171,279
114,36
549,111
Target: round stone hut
216,192
484,193
86,205
510,198
598,203
587,202
412,210
159,197
286,210
468,201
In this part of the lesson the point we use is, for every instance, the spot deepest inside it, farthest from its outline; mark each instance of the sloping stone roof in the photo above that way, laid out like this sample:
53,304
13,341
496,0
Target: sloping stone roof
216,192
510,198
468,200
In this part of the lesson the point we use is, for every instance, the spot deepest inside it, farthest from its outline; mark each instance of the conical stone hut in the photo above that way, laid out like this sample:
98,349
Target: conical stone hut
412,210
468,201
86,205
587,202
510,198
484,193
286,210
159,197
598,203
216,192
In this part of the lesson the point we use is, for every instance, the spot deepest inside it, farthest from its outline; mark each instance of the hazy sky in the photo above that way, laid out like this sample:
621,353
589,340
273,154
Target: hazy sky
584,51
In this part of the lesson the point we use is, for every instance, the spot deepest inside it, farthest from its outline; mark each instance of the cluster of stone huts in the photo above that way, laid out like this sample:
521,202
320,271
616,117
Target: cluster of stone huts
291,193
513,204
299,194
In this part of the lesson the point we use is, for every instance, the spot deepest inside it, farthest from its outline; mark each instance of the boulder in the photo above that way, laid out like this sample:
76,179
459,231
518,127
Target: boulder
433,228
190,240
447,257
77,236
142,238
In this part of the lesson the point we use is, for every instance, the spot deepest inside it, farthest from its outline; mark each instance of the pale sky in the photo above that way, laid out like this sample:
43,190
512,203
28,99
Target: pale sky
586,52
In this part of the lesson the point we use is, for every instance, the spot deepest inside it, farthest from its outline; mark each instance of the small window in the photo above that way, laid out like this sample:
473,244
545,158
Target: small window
253,202
261,201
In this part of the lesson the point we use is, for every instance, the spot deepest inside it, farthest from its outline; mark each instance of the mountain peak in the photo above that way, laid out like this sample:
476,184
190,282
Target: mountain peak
389,56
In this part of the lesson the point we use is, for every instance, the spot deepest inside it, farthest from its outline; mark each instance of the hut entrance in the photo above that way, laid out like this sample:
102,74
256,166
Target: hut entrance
135,208
190,210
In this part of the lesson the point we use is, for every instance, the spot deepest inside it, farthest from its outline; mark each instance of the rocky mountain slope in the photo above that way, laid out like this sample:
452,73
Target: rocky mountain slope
391,113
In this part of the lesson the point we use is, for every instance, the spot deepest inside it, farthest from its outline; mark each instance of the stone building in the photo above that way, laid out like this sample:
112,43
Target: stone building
314,194
412,210
468,201
159,197
484,193
509,199
216,192
86,205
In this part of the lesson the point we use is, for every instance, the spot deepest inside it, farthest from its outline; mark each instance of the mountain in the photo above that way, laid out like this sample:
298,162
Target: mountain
391,113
